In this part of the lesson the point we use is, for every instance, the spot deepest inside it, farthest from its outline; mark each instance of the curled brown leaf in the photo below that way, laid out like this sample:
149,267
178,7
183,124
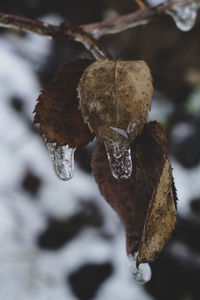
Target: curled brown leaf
145,202
57,110
116,94
161,217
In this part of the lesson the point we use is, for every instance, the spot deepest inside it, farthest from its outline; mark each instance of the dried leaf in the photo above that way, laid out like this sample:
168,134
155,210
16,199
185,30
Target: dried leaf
57,109
115,99
161,217
147,218
116,94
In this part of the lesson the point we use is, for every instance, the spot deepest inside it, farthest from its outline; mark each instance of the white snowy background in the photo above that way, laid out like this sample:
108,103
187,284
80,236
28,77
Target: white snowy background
28,272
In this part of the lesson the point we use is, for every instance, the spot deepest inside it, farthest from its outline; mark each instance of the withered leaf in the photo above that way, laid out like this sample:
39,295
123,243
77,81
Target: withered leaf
57,111
145,202
161,217
116,94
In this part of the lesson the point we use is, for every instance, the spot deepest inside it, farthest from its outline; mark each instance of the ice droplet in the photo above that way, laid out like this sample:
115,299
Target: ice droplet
119,157
62,160
131,129
120,131
184,15
142,274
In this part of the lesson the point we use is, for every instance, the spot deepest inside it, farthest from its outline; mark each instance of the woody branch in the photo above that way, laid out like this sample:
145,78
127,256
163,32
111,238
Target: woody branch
88,34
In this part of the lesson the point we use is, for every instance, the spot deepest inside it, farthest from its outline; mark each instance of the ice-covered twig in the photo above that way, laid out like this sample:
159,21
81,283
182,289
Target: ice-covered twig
134,19
77,33
25,24
88,34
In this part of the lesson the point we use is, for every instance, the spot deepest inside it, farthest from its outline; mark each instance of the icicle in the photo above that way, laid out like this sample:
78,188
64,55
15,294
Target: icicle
63,160
142,274
119,157
184,15
118,150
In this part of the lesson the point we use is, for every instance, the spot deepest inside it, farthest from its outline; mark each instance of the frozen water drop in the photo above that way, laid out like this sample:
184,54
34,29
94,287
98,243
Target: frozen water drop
63,160
120,161
120,131
142,273
132,129
184,15
118,151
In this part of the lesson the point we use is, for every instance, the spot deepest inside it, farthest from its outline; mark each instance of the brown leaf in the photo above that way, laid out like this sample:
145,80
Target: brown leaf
115,99
137,200
116,93
161,217
57,111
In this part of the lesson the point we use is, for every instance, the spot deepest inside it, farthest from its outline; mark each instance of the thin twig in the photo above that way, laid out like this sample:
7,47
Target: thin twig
25,24
62,31
89,33
137,18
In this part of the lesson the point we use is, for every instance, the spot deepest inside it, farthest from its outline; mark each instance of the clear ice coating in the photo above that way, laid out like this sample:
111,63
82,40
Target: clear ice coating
119,153
120,162
184,15
89,44
142,274
63,160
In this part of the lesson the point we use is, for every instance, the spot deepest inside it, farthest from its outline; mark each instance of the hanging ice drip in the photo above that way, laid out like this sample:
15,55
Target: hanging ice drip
184,15
118,151
63,160
142,273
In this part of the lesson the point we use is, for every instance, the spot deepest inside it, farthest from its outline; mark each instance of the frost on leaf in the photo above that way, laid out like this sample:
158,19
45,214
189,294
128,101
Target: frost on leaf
57,111
115,99
146,201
